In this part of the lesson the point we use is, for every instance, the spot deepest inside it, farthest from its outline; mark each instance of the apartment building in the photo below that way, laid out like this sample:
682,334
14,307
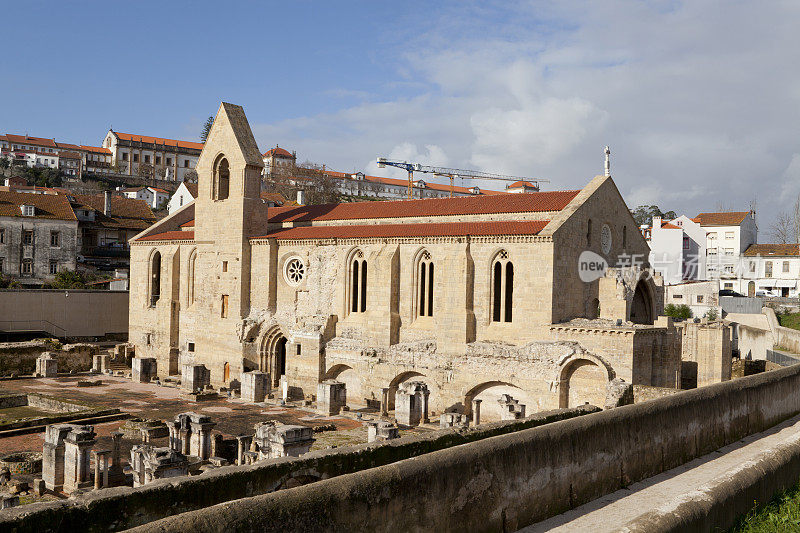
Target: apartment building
677,249
157,157
728,236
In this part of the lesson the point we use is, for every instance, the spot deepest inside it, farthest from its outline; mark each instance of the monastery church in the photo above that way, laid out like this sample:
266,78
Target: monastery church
477,297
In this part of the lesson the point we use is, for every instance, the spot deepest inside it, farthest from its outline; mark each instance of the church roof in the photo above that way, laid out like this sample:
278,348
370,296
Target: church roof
158,140
169,236
469,205
503,227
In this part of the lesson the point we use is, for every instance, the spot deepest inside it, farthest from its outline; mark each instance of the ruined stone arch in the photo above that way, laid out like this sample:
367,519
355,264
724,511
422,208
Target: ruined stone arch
272,353
356,393
476,391
584,376
642,304
395,384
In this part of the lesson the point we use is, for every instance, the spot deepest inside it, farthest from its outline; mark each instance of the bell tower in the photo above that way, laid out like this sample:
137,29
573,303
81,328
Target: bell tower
229,210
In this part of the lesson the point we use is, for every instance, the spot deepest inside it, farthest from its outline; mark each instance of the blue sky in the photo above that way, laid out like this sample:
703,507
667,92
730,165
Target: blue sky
700,101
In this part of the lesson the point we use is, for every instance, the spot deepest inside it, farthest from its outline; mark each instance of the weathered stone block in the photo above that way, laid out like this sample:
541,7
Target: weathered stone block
411,403
143,369
331,397
255,386
46,365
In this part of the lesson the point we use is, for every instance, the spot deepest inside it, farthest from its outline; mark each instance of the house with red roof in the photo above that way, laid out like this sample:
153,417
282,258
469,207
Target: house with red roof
463,299
38,236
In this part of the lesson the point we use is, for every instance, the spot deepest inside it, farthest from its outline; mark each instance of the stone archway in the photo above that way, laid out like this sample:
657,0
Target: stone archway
395,384
272,355
642,304
582,381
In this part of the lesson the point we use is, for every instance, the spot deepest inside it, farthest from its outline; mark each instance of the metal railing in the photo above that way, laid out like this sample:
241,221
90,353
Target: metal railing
24,326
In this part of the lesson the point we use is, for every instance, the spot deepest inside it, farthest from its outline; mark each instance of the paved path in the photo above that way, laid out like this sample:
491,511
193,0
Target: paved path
663,493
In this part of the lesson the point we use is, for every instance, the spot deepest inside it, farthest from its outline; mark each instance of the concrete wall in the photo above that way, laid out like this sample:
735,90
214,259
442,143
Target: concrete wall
64,313
753,342
785,338
510,481
734,304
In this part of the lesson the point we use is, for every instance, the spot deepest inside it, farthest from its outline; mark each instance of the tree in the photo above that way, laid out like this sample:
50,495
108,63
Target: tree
786,228
678,312
144,170
644,214
190,176
71,279
206,129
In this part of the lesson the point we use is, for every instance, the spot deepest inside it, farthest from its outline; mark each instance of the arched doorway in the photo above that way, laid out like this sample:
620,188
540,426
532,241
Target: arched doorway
642,305
272,357
395,384
582,381
226,373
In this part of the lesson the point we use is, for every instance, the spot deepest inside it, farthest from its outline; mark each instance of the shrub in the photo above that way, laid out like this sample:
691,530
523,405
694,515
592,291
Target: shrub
678,312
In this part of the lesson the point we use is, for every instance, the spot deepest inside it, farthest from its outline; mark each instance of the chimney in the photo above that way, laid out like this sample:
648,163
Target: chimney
107,203
657,222
301,197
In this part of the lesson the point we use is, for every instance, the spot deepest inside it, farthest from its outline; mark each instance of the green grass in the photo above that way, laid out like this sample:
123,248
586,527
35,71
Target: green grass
789,320
781,514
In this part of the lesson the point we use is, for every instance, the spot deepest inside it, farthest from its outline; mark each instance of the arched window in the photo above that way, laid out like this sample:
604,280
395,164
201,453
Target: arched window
222,179
589,233
425,274
155,278
358,283
502,288
192,275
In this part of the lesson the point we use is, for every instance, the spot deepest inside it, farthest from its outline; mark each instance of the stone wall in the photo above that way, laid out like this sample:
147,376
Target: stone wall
709,345
508,482
643,393
125,507
20,357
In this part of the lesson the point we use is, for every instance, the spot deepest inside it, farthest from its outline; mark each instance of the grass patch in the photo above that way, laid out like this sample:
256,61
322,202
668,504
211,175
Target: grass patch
789,320
781,514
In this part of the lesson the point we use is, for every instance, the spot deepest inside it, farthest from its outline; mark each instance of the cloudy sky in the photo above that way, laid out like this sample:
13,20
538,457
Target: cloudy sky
699,101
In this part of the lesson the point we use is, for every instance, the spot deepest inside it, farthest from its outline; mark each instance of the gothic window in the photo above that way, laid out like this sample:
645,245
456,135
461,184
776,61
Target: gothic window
425,274
155,278
502,288
358,283
222,179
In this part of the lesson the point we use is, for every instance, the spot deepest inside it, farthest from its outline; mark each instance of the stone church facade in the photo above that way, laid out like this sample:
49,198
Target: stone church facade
475,296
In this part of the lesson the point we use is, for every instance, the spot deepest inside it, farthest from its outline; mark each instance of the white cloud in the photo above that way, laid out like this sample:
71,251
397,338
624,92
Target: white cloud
700,101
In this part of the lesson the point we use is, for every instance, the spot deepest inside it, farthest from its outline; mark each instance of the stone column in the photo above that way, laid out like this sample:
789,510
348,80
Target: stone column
97,478
425,394
216,444
53,456
77,447
243,442
284,388
116,474
184,441
476,412
385,401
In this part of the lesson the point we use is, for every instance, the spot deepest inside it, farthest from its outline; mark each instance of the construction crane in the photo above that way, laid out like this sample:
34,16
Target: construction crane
451,173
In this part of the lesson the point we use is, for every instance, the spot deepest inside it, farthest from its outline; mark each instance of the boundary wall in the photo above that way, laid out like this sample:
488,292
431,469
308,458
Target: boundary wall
510,481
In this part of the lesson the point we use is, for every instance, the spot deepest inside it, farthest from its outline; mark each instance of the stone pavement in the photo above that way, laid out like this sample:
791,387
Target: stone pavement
663,494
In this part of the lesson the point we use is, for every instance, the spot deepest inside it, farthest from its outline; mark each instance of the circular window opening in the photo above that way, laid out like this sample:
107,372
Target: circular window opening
295,271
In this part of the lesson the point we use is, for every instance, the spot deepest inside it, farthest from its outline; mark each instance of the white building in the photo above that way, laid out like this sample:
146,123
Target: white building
677,249
769,270
522,186
700,296
278,160
153,196
728,235
185,193
156,157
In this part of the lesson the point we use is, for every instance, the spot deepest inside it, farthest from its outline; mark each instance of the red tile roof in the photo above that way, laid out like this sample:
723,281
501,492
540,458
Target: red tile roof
159,140
278,152
96,149
784,250
189,224
192,188
504,227
521,184
733,218
667,225
52,206
275,197
169,236
26,139
126,213
465,205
